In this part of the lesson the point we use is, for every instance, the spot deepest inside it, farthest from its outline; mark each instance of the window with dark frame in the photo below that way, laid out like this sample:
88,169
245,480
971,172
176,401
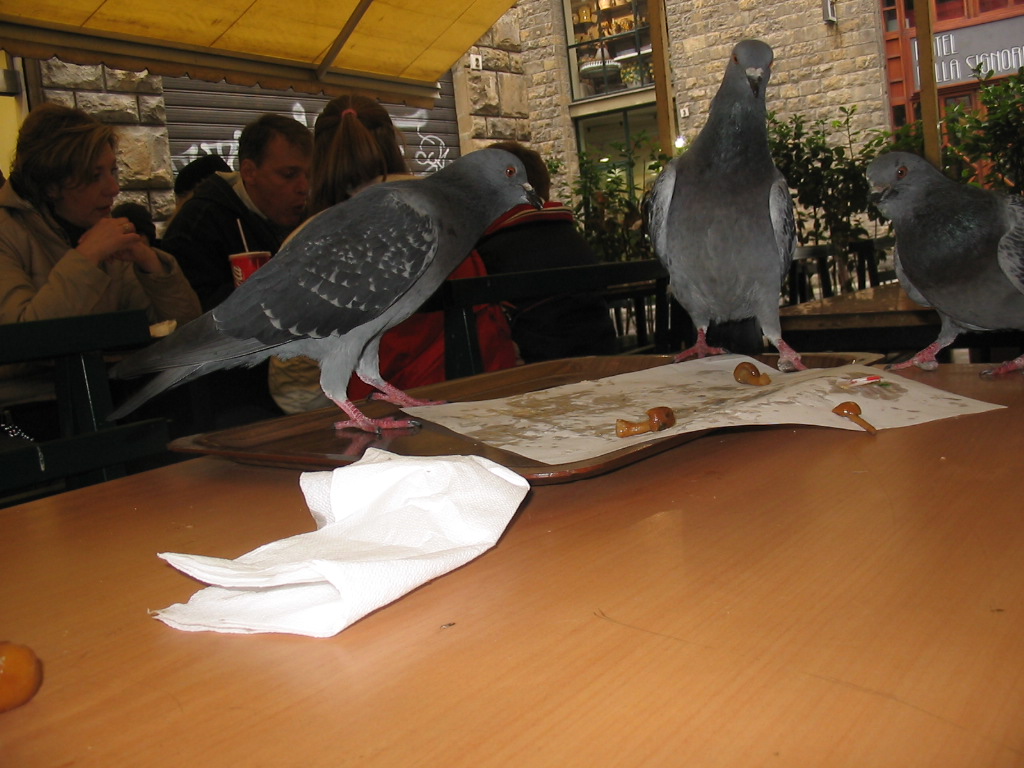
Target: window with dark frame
609,47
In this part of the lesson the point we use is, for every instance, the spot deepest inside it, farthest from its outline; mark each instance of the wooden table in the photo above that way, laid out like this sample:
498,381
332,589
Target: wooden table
882,319
786,596
881,306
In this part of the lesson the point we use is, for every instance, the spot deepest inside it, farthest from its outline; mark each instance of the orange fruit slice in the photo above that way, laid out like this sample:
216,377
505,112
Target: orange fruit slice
21,674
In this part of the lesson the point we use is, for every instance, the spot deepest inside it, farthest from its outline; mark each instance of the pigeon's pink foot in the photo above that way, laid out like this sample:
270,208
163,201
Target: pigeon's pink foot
925,359
358,420
394,395
789,360
700,349
1017,364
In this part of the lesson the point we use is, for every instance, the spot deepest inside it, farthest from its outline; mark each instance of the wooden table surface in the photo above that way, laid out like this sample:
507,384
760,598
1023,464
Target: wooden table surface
787,596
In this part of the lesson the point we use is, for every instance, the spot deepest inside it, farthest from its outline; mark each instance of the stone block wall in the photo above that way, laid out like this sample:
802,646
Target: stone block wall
491,101
522,90
133,102
548,88
818,68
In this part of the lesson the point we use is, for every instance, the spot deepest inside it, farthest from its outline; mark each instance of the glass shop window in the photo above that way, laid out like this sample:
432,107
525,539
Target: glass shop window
624,141
609,46
964,100
890,16
949,9
908,13
987,6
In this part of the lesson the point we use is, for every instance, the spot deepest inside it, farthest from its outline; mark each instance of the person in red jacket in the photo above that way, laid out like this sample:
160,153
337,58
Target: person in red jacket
526,239
356,145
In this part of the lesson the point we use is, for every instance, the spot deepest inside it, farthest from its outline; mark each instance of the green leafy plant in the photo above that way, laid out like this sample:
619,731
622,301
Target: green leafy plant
608,204
824,163
987,144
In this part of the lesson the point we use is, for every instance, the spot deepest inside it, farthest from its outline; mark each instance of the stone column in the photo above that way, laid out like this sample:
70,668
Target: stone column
521,91
491,101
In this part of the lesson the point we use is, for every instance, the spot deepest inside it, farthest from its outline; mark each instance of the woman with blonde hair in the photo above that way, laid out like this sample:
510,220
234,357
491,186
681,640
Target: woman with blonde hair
61,252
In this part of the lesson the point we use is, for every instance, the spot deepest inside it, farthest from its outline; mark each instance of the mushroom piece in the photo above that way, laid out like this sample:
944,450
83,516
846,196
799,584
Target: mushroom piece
658,419
852,411
747,373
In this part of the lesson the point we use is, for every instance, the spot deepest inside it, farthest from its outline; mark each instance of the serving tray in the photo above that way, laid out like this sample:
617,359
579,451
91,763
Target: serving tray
309,441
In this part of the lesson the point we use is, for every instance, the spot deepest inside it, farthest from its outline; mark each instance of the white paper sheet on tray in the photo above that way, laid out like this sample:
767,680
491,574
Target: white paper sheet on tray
576,422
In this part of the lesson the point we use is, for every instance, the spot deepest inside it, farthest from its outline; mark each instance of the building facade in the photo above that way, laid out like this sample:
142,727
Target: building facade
968,35
587,81
566,76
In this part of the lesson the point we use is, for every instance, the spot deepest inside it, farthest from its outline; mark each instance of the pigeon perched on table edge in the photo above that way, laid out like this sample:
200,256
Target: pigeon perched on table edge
340,281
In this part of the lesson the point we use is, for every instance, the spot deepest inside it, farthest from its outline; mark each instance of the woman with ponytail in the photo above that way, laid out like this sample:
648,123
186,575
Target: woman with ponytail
355,144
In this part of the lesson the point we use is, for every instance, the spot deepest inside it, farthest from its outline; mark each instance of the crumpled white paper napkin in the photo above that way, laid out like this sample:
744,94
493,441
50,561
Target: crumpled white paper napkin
385,525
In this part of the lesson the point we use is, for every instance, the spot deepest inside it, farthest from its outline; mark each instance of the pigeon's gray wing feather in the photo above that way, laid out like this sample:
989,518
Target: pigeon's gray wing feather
780,207
1011,246
908,286
338,276
659,204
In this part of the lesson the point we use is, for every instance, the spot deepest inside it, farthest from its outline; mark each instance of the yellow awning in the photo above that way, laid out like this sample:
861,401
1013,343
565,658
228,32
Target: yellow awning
394,49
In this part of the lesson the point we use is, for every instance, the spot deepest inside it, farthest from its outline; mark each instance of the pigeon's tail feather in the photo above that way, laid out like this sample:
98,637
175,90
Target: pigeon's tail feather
194,344
164,381
178,375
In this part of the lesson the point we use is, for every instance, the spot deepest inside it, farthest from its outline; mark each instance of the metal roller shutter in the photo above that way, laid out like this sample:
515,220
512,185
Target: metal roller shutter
207,117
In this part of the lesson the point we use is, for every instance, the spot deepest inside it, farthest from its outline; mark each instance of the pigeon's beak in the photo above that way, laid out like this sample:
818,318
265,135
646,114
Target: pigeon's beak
878,193
755,76
532,196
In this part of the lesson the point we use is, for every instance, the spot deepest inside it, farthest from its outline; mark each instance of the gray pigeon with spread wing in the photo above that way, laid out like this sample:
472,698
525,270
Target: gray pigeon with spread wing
344,278
959,249
721,217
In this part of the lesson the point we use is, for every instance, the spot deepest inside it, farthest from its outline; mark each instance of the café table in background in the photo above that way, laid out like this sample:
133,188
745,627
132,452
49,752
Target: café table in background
879,319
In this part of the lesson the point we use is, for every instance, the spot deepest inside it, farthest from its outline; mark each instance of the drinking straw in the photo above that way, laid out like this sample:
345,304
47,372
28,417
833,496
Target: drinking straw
245,243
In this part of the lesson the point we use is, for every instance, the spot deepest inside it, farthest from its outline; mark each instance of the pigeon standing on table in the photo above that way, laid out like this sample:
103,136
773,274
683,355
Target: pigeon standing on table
721,217
959,249
344,278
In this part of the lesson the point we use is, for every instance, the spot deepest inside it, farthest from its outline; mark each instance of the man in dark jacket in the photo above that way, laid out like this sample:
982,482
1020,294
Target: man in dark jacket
253,209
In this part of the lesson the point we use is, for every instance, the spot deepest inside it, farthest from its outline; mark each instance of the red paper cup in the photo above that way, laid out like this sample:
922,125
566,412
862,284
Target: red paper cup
244,264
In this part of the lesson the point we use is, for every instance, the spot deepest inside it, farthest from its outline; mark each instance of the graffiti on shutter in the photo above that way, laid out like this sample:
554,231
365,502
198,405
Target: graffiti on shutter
204,118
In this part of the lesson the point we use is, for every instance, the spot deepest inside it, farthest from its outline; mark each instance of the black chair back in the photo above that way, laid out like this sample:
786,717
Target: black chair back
89,449
634,281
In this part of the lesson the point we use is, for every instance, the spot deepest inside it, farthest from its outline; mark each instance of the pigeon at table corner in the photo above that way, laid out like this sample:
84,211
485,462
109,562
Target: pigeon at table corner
345,277
721,216
959,249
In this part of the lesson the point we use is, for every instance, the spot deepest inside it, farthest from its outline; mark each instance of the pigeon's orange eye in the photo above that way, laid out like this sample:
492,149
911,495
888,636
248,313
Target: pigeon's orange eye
901,172
510,171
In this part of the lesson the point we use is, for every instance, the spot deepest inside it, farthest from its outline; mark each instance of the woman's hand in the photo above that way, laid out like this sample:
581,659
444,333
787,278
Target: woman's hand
117,239
105,238
142,255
